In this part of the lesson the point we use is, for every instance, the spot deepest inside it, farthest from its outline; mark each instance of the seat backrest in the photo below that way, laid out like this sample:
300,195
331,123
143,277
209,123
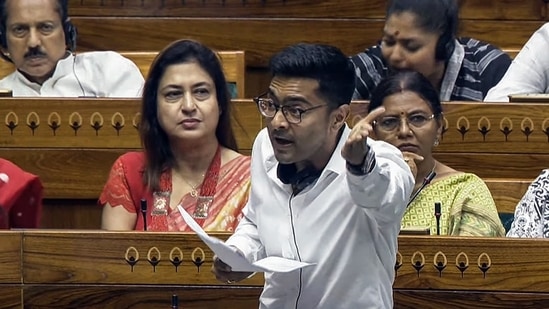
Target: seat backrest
233,62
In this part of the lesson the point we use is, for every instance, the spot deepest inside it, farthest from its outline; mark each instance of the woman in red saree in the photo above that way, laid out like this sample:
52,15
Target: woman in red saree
189,155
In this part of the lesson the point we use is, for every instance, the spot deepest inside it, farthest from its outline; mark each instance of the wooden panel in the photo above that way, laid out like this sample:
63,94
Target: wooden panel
426,299
231,8
505,34
502,9
100,258
10,297
261,38
71,214
10,258
90,123
471,9
66,173
507,192
488,165
494,264
135,297
86,269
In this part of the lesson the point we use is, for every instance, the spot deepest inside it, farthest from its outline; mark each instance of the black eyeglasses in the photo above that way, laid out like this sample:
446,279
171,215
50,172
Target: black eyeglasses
268,109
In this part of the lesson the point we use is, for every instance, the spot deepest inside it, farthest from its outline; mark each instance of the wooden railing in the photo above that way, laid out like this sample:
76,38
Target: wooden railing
72,143
262,28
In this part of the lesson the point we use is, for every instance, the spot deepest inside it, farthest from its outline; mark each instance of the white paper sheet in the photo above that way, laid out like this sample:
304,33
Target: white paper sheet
231,257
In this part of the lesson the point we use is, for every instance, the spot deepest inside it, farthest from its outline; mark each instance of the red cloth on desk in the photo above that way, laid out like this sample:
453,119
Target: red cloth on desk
20,197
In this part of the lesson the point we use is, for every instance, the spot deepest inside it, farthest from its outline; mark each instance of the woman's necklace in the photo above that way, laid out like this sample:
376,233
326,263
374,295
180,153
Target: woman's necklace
194,192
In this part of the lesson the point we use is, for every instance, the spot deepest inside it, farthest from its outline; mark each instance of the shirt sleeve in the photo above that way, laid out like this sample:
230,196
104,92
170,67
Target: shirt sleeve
117,191
386,189
531,213
125,80
528,72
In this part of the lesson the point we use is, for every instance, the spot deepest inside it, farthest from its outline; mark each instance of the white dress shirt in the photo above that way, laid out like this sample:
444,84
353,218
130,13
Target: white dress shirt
92,74
529,71
346,224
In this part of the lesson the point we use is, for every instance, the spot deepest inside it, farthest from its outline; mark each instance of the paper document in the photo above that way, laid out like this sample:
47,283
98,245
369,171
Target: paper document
231,257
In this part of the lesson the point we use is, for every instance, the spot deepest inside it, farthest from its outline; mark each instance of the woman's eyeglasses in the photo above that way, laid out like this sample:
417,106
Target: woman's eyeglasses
391,123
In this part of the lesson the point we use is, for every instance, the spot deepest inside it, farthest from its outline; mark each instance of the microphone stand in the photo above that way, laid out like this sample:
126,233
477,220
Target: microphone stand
437,216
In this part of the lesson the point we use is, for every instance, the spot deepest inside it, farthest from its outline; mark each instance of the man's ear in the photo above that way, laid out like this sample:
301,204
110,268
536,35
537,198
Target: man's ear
340,115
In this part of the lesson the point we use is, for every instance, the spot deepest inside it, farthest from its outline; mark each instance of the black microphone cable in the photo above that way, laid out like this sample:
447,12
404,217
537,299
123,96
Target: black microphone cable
427,180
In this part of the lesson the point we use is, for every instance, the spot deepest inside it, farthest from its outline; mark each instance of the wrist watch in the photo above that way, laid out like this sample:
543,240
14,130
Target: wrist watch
365,167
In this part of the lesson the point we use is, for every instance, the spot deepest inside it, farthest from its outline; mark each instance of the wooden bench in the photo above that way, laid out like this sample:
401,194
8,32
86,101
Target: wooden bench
82,269
262,28
233,66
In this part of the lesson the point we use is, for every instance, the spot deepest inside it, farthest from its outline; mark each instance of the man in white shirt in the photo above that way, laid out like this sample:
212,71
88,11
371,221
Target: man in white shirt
321,193
39,39
529,71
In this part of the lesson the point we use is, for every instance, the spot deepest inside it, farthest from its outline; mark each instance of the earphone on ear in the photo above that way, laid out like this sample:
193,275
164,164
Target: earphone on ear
69,29
71,34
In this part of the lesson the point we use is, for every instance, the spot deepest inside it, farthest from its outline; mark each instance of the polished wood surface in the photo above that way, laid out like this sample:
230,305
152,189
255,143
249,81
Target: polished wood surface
372,9
10,269
471,272
63,269
507,192
95,265
10,251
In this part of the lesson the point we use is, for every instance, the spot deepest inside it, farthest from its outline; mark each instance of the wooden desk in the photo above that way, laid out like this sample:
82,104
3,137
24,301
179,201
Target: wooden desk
10,269
89,269
80,269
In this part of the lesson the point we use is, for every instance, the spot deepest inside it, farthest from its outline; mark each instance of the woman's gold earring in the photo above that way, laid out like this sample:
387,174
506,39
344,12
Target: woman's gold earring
436,142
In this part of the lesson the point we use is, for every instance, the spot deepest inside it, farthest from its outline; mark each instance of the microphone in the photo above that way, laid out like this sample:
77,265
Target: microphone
144,213
426,181
175,301
437,215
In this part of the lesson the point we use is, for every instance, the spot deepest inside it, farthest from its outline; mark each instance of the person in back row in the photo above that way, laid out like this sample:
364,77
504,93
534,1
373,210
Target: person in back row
189,156
529,72
532,212
38,37
412,121
420,35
